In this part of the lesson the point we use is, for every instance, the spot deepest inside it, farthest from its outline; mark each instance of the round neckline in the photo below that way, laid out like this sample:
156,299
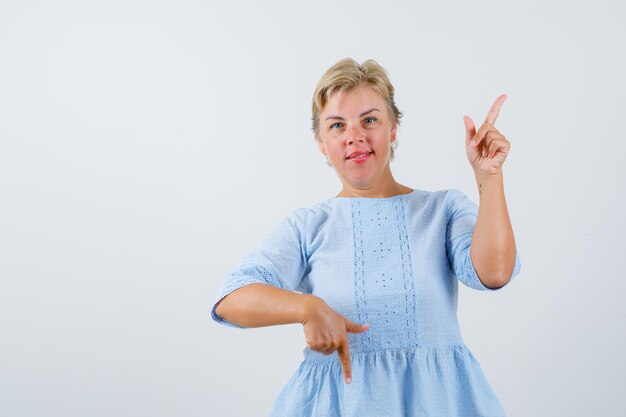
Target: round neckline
373,198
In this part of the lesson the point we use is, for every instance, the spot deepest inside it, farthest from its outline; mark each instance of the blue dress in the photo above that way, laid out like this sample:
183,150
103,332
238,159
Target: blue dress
394,263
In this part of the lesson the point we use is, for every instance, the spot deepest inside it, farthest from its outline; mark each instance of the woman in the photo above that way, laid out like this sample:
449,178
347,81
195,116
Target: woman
377,267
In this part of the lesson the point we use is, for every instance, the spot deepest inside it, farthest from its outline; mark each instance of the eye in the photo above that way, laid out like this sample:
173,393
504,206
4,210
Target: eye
369,120
336,125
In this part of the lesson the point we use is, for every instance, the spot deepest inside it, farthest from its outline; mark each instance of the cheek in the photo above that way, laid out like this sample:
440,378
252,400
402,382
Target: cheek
334,147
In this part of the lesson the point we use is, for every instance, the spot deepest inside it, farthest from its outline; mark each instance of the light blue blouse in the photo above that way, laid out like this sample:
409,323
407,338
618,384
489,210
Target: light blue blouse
393,263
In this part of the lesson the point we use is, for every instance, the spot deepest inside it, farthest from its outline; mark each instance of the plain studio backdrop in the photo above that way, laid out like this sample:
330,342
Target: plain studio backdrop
146,146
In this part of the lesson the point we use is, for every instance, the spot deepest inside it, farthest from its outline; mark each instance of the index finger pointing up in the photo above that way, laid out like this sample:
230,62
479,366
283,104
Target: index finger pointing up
495,110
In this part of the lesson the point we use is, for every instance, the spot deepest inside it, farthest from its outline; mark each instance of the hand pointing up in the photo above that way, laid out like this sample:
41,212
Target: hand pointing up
486,148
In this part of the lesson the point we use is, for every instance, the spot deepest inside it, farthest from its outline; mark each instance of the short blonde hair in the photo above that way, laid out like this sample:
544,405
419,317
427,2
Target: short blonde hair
348,74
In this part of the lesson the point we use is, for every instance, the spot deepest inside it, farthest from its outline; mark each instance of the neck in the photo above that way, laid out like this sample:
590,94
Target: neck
381,189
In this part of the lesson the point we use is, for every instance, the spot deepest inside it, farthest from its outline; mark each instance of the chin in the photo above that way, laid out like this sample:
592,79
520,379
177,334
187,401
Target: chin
359,182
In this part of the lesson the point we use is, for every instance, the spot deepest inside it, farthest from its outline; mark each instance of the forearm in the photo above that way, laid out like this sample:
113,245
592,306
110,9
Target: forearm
257,305
493,242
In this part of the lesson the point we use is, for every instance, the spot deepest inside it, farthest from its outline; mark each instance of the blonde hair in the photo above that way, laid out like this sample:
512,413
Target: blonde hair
348,74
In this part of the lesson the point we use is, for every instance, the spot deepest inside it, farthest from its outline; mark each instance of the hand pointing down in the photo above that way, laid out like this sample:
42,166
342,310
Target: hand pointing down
327,331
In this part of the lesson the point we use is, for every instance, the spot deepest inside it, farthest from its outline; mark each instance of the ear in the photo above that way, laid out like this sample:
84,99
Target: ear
394,131
321,145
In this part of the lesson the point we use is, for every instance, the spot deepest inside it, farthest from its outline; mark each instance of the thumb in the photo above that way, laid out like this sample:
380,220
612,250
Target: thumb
356,328
470,128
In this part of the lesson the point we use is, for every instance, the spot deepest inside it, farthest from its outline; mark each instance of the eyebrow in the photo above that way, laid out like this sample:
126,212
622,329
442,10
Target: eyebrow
360,115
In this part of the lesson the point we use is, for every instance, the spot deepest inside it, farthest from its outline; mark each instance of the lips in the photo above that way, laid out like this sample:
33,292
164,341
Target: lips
359,157
358,154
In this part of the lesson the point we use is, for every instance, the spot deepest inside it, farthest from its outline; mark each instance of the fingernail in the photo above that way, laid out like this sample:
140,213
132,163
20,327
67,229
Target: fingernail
348,380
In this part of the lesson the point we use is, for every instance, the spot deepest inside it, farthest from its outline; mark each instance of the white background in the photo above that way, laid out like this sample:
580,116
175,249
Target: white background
146,146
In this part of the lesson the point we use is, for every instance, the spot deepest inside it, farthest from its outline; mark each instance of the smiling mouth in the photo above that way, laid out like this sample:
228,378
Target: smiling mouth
360,156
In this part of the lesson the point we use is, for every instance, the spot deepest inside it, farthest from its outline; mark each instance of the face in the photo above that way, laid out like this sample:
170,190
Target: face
355,133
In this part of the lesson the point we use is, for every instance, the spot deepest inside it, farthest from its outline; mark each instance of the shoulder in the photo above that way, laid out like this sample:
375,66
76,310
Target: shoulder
445,203
443,198
455,196
458,205
308,218
320,209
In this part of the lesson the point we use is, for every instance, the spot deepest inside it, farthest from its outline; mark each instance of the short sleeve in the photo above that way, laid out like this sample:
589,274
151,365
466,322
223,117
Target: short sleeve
279,261
462,214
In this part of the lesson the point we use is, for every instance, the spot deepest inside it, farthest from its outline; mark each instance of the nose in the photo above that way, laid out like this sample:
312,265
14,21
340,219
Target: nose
355,135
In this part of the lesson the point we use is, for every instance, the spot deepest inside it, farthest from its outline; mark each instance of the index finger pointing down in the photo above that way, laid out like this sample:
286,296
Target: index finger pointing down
344,357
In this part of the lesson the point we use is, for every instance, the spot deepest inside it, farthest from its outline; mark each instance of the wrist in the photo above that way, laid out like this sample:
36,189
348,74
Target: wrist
309,306
484,179
488,176
489,185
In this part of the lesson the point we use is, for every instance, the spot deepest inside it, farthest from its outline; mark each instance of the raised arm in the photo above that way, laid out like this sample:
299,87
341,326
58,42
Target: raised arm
493,243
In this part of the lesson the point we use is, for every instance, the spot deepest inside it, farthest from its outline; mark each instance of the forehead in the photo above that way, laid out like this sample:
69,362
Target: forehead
354,102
